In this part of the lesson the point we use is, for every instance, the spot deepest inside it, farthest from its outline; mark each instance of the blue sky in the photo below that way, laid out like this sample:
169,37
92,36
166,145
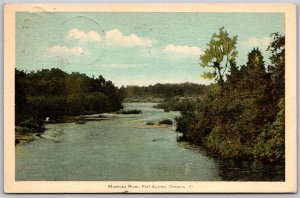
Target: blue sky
135,48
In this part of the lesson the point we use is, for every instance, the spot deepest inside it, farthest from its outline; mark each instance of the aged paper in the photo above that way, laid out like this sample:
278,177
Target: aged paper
140,45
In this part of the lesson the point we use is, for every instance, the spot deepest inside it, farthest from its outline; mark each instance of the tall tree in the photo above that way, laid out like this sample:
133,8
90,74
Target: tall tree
271,143
234,75
220,53
277,69
254,96
20,97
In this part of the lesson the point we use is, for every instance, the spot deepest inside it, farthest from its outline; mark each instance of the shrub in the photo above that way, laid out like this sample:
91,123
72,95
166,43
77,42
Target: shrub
134,111
150,123
36,125
166,121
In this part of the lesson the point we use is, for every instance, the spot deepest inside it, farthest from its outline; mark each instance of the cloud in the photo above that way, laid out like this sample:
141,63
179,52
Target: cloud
116,38
65,51
78,35
257,42
182,51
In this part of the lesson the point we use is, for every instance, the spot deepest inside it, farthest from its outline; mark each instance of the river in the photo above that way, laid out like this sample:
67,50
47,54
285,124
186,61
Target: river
121,149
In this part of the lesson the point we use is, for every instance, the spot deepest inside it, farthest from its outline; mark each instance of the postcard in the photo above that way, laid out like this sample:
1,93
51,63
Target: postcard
150,98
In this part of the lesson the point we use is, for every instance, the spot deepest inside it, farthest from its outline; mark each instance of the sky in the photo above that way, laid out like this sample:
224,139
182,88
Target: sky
135,48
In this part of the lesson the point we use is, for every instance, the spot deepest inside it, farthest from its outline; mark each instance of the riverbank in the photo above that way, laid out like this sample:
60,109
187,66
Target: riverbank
144,100
155,126
25,134
199,132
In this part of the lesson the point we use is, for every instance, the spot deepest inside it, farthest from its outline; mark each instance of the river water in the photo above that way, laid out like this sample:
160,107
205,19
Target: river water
121,149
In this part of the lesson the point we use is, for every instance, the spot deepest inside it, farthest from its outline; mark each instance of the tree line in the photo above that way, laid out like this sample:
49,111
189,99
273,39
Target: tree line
54,93
165,91
242,115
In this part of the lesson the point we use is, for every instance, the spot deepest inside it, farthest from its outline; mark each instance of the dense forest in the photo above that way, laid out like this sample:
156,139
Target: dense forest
165,91
242,115
55,94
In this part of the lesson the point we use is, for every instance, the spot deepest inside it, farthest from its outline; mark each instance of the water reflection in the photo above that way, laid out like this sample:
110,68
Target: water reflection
235,170
243,170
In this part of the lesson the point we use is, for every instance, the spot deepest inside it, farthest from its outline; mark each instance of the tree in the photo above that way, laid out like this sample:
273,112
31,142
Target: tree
271,143
234,76
254,74
244,117
20,97
220,53
54,93
277,69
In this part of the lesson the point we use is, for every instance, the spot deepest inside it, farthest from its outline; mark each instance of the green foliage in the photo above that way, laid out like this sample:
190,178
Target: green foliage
20,91
175,104
164,90
208,75
271,142
277,69
133,111
166,121
195,122
41,107
223,141
244,116
55,94
150,123
220,53
36,125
